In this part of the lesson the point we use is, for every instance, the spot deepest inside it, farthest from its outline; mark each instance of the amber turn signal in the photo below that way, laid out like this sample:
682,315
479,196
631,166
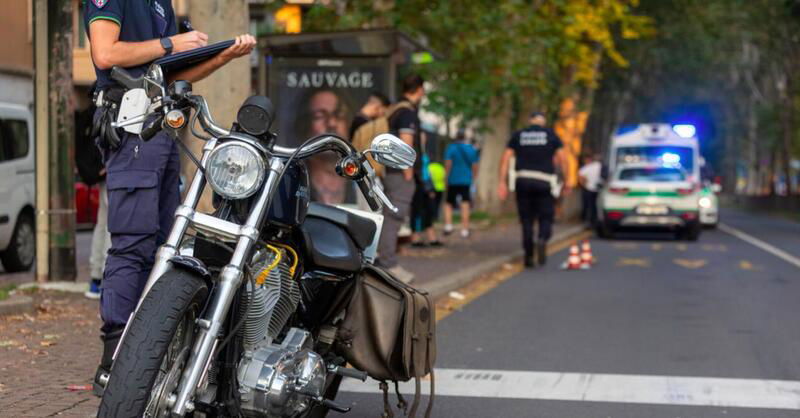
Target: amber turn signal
175,119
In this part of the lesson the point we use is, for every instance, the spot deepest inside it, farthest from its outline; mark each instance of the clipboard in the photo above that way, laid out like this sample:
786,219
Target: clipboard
182,60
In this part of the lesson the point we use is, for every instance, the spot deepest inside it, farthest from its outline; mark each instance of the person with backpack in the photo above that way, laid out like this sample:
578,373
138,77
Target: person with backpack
424,205
461,165
400,185
375,107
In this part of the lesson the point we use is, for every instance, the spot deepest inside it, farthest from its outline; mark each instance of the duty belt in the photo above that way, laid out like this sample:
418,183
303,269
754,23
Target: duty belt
552,179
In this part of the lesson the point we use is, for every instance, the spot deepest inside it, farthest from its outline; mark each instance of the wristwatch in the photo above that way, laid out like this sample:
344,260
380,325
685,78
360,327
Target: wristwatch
166,43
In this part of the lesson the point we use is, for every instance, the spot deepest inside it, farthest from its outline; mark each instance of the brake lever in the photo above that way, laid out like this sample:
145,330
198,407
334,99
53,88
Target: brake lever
378,190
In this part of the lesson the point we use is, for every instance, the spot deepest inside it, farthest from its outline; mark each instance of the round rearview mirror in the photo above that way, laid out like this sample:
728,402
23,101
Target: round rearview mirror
391,151
154,81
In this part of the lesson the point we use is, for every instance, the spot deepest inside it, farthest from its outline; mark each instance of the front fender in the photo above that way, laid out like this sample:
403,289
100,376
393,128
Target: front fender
191,265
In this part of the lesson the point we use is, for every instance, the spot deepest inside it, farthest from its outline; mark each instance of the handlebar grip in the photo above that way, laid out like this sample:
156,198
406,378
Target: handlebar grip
121,76
152,127
372,201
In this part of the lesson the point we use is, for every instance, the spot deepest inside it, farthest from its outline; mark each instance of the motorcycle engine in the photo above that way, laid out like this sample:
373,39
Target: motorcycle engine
276,379
281,380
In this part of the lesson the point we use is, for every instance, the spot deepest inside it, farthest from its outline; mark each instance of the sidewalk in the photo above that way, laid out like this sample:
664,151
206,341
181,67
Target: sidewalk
440,270
47,358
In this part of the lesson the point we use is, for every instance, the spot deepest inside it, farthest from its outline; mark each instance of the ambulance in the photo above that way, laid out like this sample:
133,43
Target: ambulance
653,181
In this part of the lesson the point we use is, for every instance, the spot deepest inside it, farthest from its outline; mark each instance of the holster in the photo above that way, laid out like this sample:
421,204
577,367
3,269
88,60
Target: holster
108,101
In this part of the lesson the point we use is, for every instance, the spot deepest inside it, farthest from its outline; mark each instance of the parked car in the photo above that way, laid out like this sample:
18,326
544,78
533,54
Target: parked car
17,188
649,195
17,191
87,198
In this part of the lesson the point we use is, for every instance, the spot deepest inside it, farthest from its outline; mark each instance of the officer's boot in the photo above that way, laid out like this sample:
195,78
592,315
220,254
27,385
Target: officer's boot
528,259
110,340
541,253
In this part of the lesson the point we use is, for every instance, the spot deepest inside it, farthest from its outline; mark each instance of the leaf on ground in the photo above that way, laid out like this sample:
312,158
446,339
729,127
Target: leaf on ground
8,343
47,343
51,336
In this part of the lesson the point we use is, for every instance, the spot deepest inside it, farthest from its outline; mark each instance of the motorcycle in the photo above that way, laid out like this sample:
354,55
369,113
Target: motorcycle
232,320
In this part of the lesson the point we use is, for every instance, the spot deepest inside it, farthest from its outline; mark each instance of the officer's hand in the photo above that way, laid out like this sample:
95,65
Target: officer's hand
188,41
502,190
243,45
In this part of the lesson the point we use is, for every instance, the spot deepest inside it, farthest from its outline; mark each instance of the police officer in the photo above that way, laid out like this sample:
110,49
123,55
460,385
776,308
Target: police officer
537,150
142,177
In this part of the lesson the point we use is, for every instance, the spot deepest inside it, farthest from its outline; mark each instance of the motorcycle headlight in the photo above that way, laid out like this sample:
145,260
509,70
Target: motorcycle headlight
235,170
704,202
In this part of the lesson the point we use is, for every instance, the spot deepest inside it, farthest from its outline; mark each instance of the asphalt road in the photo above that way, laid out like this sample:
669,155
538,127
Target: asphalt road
658,328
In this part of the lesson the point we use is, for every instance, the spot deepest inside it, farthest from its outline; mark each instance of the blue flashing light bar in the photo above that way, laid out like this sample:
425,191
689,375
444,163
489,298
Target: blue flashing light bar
670,158
685,131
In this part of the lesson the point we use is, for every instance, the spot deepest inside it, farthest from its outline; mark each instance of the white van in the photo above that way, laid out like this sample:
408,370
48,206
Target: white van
17,188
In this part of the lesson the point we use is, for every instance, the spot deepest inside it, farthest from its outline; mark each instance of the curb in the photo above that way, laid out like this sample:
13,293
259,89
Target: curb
16,305
62,286
456,280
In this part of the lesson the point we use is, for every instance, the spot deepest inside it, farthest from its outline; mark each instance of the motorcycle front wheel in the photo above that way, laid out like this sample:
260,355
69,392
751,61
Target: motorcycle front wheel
155,349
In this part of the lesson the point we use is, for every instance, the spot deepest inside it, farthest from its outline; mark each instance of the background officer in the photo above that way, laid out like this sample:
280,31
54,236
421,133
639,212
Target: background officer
142,177
537,152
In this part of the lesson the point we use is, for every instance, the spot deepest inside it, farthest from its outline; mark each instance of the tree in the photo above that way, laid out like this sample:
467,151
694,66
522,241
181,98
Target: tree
726,63
502,58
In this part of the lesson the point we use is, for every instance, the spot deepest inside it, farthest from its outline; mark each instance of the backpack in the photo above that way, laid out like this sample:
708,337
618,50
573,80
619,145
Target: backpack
364,135
88,159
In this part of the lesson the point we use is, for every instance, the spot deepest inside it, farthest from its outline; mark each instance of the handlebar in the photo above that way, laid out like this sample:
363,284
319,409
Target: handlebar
373,193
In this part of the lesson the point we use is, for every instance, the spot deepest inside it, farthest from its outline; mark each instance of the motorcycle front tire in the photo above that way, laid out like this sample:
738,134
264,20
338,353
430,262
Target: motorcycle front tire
174,300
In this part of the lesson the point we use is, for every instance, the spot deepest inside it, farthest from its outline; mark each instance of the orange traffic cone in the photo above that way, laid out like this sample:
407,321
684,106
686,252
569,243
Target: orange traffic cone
574,260
587,259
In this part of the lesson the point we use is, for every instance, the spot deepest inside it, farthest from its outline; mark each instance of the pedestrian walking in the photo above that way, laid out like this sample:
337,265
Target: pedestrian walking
589,179
401,184
439,180
461,165
375,107
537,150
142,177
424,206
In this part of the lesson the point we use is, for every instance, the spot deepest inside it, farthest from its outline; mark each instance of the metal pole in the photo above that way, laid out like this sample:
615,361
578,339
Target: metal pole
42,140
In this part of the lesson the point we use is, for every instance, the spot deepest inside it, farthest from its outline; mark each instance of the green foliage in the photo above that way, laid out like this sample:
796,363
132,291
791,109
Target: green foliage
733,57
5,291
534,52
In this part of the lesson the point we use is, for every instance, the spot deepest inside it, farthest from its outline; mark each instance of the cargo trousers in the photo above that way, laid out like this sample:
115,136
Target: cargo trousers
143,180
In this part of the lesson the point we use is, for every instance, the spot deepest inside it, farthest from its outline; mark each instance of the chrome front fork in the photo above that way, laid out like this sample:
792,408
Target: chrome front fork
230,279
210,325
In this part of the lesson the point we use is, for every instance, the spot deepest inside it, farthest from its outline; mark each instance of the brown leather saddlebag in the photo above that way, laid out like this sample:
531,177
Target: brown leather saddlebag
388,331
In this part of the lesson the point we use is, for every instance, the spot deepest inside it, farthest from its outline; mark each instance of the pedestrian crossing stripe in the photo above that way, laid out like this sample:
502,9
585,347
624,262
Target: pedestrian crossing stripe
615,388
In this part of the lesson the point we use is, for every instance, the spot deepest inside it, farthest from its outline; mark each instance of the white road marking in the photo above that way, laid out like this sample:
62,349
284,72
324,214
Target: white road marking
777,252
633,389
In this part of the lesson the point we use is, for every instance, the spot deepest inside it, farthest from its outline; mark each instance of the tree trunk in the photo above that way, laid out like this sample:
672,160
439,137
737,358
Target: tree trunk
787,131
61,143
226,89
493,147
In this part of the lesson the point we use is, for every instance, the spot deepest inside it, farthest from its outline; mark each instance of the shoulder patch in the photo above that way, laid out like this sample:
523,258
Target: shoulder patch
99,3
